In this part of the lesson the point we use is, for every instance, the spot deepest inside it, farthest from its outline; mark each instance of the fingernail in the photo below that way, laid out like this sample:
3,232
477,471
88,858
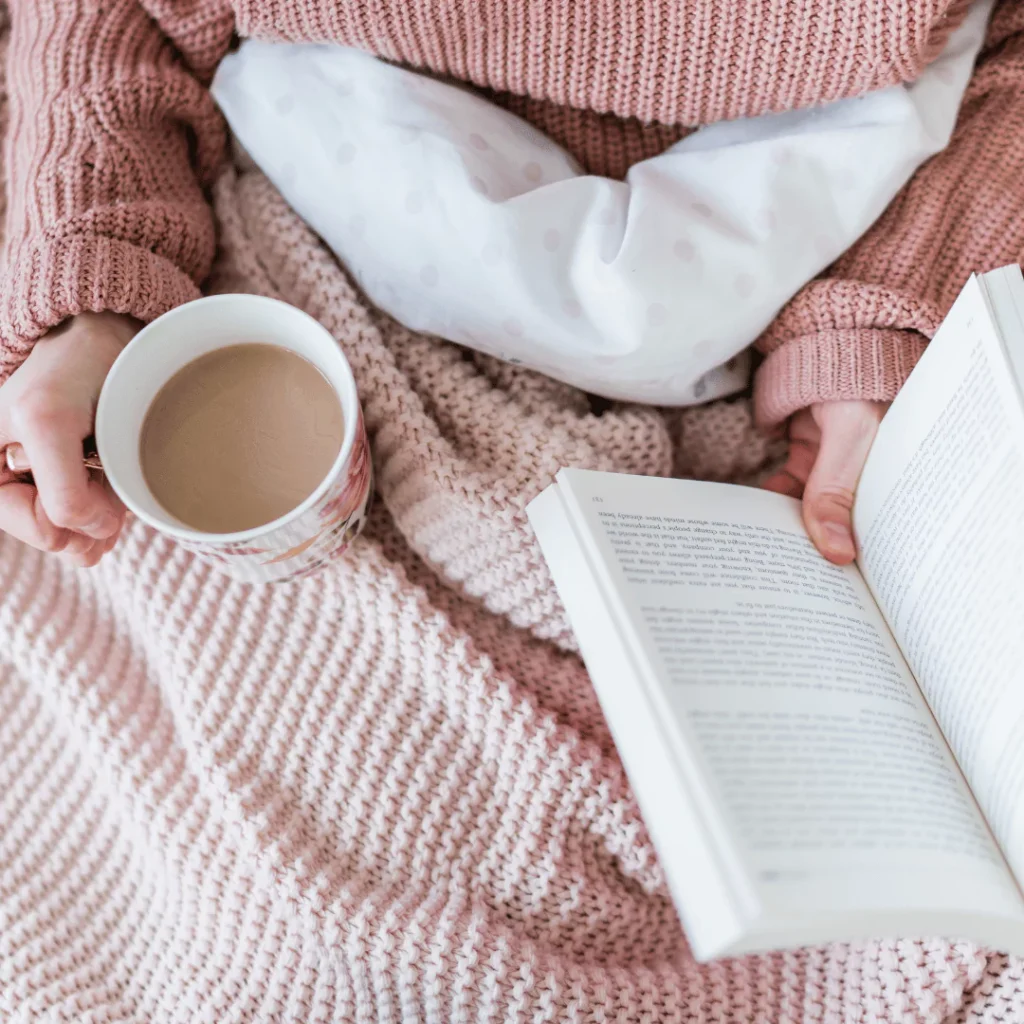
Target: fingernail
16,459
102,528
840,543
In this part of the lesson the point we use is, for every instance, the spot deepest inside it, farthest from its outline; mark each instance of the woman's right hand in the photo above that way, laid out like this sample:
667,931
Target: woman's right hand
48,406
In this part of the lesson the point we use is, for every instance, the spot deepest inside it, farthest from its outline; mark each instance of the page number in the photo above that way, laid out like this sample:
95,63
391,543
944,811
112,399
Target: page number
597,499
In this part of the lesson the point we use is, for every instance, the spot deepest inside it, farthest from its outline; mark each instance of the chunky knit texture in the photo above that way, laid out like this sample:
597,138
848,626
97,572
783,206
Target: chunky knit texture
113,137
386,793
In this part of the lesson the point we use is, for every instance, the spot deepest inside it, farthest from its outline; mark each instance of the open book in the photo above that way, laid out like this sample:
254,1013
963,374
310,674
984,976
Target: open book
826,753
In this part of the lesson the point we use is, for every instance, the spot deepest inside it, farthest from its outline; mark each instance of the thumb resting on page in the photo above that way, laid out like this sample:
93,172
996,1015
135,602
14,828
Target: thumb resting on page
829,444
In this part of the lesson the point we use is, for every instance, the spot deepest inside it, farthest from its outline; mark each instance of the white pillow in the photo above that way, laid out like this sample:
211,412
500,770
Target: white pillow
461,220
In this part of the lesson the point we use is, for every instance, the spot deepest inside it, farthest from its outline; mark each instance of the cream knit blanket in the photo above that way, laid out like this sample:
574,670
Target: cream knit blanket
385,793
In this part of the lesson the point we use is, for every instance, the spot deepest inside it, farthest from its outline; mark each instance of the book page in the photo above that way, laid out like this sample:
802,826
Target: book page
939,521
785,700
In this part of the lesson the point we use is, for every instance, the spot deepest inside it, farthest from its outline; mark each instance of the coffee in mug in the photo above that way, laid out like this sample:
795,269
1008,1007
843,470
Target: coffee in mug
239,437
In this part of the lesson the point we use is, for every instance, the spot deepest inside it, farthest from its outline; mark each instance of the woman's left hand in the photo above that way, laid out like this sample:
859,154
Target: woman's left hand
828,446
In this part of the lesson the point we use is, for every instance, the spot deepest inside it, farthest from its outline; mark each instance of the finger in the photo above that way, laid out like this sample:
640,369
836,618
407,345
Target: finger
784,482
804,428
15,459
829,495
792,478
104,547
23,517
94,551
85,555
118,507
71,499
78,547
801,459
85,552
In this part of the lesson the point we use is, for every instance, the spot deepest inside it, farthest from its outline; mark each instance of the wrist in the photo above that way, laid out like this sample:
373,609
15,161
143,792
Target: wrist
106,334
834,365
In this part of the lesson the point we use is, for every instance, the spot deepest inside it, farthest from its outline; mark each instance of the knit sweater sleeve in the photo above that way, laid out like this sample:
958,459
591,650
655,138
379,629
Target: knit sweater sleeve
857,331
112,136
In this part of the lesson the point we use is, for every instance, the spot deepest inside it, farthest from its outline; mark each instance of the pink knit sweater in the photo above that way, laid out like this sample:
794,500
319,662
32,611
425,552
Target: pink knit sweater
113,138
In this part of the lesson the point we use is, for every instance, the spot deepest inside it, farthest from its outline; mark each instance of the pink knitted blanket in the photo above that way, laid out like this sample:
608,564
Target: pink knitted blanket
385,793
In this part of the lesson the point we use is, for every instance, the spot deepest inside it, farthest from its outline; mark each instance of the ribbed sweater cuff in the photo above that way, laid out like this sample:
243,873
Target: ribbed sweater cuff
47,281
834,365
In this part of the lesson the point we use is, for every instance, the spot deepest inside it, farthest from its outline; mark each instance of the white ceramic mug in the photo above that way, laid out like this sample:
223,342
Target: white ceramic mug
311,535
